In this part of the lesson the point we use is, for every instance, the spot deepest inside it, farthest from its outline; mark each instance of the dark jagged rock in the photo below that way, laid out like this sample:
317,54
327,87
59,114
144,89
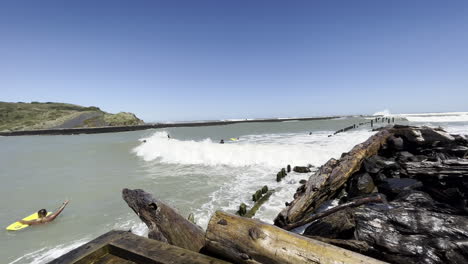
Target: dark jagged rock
288,168
361,184
338,225
413,235
303,181
372,165
264,189
396,143
301,169
393,187
423,135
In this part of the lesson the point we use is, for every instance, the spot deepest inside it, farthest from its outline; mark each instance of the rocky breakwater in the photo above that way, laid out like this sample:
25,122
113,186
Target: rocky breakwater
402,195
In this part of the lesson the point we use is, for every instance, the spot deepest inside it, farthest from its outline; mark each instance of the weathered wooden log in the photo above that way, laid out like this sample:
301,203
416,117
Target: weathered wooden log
351,244
329,178
355,203
259,203
245,240
164,223
242,209
125,247
446,168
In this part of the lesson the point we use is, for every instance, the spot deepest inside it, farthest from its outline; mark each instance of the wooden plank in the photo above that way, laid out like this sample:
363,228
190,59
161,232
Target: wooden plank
131,248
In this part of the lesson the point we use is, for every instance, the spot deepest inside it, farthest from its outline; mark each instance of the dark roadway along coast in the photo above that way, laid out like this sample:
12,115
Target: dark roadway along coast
111,129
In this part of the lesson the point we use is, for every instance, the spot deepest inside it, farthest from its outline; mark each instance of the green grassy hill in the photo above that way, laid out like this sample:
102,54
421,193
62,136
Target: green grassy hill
35,115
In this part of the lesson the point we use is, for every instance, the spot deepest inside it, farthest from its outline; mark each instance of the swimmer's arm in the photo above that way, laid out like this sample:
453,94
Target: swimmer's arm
30,222
54,215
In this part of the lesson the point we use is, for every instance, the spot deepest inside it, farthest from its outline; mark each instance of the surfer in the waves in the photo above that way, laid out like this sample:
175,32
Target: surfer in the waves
43,217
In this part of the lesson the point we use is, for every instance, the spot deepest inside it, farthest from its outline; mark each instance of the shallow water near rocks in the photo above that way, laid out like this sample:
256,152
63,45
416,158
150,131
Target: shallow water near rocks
190,171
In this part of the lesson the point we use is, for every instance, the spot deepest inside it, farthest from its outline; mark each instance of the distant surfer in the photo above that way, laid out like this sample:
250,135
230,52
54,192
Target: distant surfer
310,133
168,136
43,217
222,141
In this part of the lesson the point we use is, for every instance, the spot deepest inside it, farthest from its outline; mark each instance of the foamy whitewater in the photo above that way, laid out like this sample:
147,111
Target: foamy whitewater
190,171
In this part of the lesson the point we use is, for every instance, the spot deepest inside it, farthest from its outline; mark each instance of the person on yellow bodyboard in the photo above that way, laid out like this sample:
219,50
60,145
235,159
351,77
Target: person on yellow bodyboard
41,217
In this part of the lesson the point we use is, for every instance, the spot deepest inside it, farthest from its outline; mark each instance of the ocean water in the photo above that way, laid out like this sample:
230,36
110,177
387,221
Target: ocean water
191,171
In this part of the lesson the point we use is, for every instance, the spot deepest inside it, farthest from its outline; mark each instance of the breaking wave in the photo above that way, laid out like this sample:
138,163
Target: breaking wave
266,150
437,117
385,112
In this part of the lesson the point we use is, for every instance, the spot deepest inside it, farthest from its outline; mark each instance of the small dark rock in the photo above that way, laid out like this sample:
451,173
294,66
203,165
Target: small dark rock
396,143
361,184
403,156
392,187
303,181
283,172
301,189
301,169
371,164
337,225
242,209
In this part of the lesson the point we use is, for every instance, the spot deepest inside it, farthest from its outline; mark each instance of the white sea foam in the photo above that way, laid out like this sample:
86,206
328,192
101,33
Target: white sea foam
47,254
458,130
437,117
385,112
266,150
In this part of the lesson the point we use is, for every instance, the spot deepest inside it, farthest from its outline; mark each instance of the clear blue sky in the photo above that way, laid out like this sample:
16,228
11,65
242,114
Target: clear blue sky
187,60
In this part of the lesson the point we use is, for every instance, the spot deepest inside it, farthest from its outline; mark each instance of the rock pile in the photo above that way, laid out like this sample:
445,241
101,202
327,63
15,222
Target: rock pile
422,176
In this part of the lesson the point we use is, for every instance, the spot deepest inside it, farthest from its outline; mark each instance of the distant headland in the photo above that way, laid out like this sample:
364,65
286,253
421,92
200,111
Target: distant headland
51,115
50,118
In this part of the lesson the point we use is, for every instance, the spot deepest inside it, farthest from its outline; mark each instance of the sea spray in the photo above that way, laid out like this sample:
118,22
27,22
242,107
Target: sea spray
255,150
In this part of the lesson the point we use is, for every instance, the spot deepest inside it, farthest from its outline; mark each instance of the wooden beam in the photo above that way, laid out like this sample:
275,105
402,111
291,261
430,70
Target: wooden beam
125,247
245,240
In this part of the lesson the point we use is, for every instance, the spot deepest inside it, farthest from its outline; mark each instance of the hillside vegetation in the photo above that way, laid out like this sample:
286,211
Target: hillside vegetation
35,115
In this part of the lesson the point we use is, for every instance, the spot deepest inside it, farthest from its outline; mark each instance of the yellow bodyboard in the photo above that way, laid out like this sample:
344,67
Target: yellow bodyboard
17,225
234,139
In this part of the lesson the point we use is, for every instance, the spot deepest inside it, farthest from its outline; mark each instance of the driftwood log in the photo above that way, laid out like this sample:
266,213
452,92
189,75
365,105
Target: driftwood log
164,223
356,203
244,240
323,185
258,204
